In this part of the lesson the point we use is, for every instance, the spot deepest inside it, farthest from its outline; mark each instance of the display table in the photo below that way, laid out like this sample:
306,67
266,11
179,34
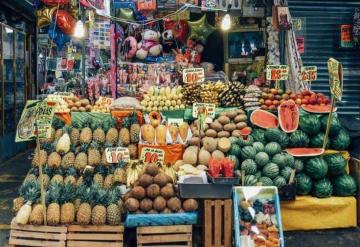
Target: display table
311,213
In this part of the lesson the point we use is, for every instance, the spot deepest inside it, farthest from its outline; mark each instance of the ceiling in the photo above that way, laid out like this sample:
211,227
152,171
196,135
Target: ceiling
22,7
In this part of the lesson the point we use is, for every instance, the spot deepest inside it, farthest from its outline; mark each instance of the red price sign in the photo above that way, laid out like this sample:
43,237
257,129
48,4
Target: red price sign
152,155
114,155
308,73
193,75
277,72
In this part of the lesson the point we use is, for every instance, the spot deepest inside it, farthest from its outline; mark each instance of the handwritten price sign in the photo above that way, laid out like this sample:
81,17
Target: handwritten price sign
209,109
114,155
308,73
105,100
152,155
193,75
277,72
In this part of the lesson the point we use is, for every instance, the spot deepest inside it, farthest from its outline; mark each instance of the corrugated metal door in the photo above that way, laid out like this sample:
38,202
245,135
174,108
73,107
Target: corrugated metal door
321,28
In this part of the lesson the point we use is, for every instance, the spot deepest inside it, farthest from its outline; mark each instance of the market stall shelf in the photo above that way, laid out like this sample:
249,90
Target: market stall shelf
218,220
95,236
180,236
29,235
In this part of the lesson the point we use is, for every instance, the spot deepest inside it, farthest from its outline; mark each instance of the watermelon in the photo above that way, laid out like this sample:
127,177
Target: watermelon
265,181
286,173
262,159
245,142
272,134
341,141
336,164
317,141
303,184
283,140
335,125
288,114
290,160
279,181
318,108
344,185
271,170
258,135
322,188
250,180
233,139
299,139
249,166
236,161
264,119
258,174
259,147
310,124
248,152
316,168
298,165
280,160
305,152
272,148
235,150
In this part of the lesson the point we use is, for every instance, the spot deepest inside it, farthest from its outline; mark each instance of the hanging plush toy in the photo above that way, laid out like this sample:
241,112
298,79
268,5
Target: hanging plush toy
149,45
168,41
193,51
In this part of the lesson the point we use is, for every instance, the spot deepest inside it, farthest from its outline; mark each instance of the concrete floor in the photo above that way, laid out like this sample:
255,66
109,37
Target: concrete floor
12,173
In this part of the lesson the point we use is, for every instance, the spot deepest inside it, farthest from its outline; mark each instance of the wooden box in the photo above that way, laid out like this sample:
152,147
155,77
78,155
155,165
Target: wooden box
30,235
218,223
95,236
178,235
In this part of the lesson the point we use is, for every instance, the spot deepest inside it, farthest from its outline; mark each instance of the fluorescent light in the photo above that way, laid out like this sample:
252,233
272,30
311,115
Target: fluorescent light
226,22
8,30
79,29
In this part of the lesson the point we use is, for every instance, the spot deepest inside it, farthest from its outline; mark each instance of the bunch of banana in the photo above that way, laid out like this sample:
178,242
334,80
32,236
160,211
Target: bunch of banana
168,169
187,169
133,171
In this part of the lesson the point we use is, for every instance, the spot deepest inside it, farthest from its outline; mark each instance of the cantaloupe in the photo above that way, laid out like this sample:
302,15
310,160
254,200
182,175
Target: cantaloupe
161,134
217,154
224,144
209,143
183,130
190,155
148,133
204,157
174,132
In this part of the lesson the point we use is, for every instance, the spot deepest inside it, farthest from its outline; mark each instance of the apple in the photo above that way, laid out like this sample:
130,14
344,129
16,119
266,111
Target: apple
262,101
307,97
274,91
272,107
264,107
319,101
305,101
264,95
276,102
268,102
271,96
280,91
293,96
285,96
298,101
312,101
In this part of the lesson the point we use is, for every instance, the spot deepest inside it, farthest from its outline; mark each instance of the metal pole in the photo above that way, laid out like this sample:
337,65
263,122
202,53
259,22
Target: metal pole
83,57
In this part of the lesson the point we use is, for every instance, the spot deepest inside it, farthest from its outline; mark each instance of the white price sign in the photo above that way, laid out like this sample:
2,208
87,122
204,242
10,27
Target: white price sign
114,155
206,108
193,75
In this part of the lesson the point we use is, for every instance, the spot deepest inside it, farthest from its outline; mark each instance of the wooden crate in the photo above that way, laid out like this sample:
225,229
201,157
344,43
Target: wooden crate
218,223
30,235
354,166
178,235
95,236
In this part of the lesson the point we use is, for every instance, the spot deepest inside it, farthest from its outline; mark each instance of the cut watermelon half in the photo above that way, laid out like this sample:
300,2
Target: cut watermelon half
305,152
318,108
245,131
264,119
288,114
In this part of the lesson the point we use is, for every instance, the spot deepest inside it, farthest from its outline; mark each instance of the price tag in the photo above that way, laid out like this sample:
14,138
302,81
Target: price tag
152,155
64,94
308,73
193,75
277,72
335,78
114,155
105,100
296,24
176,121
207,108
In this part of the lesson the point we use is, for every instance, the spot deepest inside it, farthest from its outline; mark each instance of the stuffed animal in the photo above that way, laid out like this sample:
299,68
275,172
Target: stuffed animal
193,51
149,45
168,41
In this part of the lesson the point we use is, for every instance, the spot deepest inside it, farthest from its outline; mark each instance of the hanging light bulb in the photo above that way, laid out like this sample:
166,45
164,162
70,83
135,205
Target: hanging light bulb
226,22
79,29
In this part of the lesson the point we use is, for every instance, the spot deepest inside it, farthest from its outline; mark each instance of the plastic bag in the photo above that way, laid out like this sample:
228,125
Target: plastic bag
126,103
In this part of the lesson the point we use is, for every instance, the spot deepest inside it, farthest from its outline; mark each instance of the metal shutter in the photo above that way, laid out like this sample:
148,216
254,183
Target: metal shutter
322,38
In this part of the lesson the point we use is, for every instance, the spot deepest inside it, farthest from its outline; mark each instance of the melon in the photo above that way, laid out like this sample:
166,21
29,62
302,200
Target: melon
148,133
209,143
224,144
161,135
264,119
204,157
190,155
318,108
183,130
174,132
288,114
217,154
305,152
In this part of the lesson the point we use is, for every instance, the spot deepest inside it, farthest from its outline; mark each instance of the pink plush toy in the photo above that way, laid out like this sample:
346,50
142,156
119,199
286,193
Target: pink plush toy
149,45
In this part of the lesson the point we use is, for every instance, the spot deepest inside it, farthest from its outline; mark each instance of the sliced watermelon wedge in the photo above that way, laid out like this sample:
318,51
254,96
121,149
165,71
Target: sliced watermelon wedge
245,131
318,108
305,152
264,119
288,114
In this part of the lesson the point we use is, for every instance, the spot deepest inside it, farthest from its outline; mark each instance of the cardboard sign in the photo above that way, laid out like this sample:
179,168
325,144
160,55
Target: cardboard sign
296,24
152,155
105,100
277,72
346,36
114,155
176,121
207,108
308,73
64,94
193,75
335,78
38,113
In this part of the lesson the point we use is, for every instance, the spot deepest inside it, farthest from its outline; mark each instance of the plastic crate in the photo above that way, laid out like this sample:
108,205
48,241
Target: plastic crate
205,191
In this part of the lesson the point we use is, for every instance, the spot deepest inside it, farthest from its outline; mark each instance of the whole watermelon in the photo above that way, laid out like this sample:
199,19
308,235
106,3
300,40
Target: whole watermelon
259,147
271,170
235,150
272,148
276,135
335,125
250,180
265,181
316,168
258,135
234,159
322,188
303,184
258,174
248,152
317,141
286,173
262,159
310,123
233,139
290,160
299,139
279,159
336,164
279,181
341,141
298,165
245,142
249,166
344,185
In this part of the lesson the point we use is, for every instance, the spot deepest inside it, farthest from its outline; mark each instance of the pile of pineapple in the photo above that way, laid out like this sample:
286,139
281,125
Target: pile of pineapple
81,186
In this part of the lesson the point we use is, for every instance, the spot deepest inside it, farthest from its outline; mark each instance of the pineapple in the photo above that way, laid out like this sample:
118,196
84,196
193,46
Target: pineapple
30,191
37,216
86,134
71,175
18,202
67,206
99,133
94,156
30,177
83,215
77,203
133,151
81,161
58,134
113,215
111,133
134,133
46,180
98,214
124,137
109,181
98,179
85,179
120,173
40,158
75,133
54,160
57,177
53,209
68,160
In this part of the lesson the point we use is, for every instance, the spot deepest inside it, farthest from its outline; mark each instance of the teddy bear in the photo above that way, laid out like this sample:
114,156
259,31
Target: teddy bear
193,51
168,41
149,45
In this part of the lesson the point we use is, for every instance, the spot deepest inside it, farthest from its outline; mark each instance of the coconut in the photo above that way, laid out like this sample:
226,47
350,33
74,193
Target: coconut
127,195
224,120
132,204
174,204
211,133
209,143
216,125
139,212
145,180
152,169
194,141
161,179
159,203
167,191
138,192
204,157
153,191
146,204
190,205
166,211
152,211
190,155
